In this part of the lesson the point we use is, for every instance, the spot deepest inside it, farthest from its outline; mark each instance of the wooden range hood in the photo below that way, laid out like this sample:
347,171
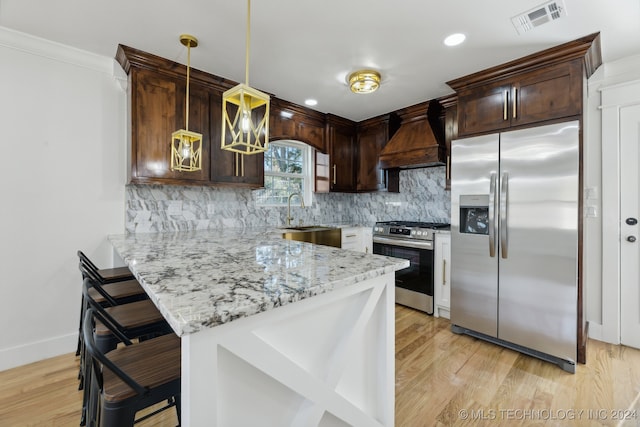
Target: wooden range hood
414,145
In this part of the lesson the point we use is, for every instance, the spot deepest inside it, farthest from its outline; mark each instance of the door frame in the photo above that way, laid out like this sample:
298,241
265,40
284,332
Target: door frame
613,98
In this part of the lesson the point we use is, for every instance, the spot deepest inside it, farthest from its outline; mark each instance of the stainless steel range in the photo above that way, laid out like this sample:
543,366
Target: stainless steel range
412,241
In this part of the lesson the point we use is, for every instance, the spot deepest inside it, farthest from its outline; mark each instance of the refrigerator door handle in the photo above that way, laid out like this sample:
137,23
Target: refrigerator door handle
504,214
492,215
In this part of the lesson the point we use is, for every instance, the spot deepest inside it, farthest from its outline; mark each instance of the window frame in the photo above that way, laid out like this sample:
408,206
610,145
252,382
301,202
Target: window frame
307,175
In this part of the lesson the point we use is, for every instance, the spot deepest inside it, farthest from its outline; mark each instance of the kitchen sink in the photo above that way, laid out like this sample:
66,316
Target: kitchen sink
307,228
318,234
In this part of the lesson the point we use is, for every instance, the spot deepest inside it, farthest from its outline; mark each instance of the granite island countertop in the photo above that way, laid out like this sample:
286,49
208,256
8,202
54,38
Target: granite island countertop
201,279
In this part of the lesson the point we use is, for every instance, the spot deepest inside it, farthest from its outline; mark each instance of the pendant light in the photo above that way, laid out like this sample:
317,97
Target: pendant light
186,146
245,112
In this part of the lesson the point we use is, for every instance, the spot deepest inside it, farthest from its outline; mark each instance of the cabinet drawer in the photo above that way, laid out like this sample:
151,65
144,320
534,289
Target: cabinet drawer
351,239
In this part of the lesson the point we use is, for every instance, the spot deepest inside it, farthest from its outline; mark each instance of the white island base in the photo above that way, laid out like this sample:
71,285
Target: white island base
322,361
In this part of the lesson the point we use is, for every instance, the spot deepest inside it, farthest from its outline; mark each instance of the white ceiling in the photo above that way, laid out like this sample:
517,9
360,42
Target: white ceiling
304,49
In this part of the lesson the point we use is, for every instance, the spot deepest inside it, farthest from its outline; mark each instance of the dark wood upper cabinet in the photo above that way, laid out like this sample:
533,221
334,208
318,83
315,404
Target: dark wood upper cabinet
157,96
291,121
341,135
373,135
449,118
547,85
158,107
544,94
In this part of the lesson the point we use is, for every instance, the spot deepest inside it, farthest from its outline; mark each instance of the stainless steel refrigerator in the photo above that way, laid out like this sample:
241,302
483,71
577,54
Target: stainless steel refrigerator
514,240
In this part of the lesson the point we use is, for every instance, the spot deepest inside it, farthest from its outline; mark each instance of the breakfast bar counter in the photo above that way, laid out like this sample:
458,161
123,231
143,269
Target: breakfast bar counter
274,332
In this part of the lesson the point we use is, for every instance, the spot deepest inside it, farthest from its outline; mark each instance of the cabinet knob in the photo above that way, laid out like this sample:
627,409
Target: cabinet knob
631,221
631,239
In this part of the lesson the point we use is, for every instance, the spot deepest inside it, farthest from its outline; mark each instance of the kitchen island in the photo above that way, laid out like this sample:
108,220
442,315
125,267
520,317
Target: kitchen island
274,332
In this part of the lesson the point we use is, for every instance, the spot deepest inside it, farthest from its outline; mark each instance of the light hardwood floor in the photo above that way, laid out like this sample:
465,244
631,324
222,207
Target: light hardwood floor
442,379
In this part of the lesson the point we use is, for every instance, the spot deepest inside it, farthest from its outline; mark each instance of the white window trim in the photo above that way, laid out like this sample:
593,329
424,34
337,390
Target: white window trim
308,172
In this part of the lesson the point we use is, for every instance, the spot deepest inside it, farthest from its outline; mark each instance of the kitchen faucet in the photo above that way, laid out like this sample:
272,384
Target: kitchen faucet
289,217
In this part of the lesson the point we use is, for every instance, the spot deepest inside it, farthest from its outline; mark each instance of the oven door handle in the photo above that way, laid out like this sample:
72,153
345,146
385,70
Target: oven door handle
423,244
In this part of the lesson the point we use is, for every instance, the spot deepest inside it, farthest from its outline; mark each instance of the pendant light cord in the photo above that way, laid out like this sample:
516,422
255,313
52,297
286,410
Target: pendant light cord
246,71
186,126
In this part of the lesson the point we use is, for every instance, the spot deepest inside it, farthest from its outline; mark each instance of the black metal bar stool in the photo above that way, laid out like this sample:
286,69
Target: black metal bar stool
136,320
131,377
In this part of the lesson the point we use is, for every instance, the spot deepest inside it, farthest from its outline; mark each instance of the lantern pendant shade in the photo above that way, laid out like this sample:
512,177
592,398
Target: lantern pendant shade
186,146
245,112
186,151
245,115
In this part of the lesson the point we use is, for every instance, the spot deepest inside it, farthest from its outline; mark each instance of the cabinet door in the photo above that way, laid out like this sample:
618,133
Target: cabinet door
351,239
483,109
343,160
450,133
442,274
546,94
228,167
371,140
157,111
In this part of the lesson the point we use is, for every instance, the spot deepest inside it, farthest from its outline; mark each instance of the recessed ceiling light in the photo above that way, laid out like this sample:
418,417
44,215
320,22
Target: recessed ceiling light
310,102
454,39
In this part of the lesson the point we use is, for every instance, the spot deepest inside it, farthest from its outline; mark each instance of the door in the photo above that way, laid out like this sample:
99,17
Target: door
538,238
629,228
474,266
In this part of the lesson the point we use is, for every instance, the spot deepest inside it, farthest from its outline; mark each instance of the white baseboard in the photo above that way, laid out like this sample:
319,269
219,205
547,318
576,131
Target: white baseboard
598,332
39,350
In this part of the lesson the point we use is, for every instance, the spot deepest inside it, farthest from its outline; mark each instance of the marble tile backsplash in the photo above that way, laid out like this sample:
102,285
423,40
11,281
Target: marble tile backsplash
152,208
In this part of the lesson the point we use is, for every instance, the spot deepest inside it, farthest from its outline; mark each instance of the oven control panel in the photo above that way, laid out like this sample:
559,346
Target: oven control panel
398,230
408,230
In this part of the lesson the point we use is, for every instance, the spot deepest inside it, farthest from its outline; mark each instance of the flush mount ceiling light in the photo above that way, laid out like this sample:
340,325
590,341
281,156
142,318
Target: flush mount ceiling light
186,146
454,39
364,81
245,112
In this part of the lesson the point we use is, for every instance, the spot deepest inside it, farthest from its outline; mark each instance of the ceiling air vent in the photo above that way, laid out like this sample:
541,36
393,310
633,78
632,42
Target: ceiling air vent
539,15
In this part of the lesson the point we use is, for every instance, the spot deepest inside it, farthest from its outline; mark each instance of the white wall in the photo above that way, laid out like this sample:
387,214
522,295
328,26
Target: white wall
62,176
601,239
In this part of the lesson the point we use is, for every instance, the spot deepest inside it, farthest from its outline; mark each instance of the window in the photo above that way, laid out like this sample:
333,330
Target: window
287,170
